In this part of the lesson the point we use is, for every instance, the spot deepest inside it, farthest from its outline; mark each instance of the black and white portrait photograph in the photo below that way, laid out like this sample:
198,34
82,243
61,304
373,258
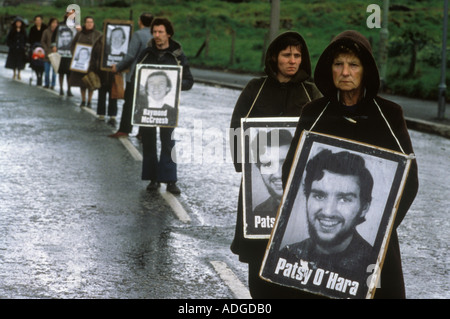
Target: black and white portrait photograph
81,58
265,145
63,39
335,217
156,96
117,38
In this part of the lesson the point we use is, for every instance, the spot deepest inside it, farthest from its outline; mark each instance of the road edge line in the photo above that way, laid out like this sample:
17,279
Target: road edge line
231,280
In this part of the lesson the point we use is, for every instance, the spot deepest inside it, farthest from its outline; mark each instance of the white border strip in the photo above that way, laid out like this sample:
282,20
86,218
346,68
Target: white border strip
231,280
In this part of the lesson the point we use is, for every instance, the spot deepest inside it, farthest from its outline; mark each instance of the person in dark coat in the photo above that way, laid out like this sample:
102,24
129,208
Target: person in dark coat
347,76
283,92
63,38
163,50
35,33
106,79
16,40
34,39
88,35
137,45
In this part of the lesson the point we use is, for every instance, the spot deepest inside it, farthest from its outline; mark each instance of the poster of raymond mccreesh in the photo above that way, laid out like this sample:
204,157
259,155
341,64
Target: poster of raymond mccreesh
156,95
117,38
335,218
265,142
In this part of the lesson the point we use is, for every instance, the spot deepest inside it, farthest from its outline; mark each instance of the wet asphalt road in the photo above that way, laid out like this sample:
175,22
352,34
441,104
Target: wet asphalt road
76,221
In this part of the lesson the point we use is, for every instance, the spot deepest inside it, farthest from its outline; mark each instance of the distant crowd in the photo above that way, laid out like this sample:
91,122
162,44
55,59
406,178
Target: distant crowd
36,46
106,61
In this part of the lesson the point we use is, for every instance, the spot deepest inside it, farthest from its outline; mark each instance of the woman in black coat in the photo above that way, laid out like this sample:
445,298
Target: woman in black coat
283,92
347,76
16,41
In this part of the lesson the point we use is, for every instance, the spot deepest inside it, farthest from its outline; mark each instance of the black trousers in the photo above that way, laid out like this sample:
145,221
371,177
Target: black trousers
112,103
164,169
127,109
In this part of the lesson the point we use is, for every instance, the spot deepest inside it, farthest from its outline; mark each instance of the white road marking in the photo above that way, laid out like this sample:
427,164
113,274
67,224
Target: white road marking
131,149
175,205
238,289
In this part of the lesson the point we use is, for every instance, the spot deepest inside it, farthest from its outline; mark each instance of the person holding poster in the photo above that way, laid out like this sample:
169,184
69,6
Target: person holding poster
347,76
106,80
281,93
163,50
63,39
138,43
88,35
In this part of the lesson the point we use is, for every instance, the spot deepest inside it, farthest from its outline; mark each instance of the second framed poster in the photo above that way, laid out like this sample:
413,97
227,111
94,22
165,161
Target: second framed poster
265,143
156,95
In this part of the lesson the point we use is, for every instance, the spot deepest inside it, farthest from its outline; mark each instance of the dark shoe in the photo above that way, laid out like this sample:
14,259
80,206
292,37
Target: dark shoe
173,188
69,93
112,122
118,134
83,104
61,92
88,104
153,186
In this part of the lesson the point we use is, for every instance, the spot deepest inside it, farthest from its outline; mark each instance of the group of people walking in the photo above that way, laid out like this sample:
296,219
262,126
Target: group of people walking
341,99
152,43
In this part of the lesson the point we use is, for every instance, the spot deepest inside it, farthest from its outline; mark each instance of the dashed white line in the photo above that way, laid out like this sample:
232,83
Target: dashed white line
175,205
238,289
131,149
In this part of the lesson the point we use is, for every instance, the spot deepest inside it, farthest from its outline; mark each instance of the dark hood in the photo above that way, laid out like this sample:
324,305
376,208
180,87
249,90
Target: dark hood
303,73
353,39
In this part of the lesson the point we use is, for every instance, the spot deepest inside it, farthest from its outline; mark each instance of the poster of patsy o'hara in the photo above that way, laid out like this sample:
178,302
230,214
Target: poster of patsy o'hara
156,95
264,142
335,218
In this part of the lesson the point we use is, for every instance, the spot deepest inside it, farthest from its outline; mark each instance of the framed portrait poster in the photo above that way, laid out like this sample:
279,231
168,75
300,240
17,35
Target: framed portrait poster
156,95
64,37
265,143
81,58
336,216
117,38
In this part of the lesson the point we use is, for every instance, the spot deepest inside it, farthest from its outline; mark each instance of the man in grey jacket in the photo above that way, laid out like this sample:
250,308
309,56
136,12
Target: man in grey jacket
138,43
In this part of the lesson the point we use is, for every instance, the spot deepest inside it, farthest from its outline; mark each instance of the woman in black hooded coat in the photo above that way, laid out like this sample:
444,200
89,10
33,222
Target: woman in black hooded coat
270,96
372,120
